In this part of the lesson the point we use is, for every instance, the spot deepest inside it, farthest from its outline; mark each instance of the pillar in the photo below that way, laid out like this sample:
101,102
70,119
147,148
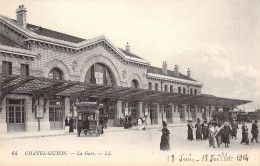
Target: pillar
189,112
198,113
185,113
176,115
207,112
159,115
139,110
148,118
118,111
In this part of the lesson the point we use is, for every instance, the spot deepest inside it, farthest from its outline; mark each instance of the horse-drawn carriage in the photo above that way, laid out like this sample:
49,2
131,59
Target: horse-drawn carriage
88,119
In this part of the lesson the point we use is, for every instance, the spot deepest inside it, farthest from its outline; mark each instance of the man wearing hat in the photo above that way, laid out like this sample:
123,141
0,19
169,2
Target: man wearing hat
254,131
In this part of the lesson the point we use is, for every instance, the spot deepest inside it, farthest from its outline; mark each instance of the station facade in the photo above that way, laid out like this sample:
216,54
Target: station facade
30,50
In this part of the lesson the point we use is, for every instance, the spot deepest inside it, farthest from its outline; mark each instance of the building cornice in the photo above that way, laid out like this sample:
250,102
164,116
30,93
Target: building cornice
74,47
22,53
178,80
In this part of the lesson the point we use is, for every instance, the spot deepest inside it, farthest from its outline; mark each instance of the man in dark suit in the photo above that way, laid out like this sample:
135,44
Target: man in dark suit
254,131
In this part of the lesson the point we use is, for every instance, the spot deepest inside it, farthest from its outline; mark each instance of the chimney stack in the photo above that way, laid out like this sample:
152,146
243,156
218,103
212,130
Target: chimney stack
164,67
127,47
188,72
21,16
176,70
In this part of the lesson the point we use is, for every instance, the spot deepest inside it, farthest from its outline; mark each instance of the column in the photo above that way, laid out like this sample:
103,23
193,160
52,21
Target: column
3,112
139,110
148,117
198,113
118,111
172,112
185,113
159,115
176,115
207,112
189,112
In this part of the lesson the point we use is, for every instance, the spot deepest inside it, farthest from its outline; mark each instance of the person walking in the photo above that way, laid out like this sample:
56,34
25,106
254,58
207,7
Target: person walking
198,130
71,124
254,131
234,129
165,138
190,130
244,134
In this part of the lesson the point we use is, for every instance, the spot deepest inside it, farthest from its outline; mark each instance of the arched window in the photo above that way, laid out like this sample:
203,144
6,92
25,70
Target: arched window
99,74
55,73
134,84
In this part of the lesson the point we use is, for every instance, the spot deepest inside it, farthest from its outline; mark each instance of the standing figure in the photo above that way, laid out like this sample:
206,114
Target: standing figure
165,138
219,131
71,123
212,135
234,129
244,134
204,127
198,130
143,123
66,124
106,120
139,121
226,133
254,131
190,130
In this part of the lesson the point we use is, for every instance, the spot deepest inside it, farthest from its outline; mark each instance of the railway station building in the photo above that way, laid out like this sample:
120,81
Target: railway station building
43,73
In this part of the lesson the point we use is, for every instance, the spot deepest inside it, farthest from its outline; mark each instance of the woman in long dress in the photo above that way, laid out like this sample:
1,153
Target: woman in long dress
234,130
190,130
212,135
219,131
198,130
71,123
165,138
226,133
204,127
244,134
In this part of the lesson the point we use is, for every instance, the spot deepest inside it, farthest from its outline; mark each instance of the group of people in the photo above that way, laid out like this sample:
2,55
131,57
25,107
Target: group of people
69,123
141,122
221,132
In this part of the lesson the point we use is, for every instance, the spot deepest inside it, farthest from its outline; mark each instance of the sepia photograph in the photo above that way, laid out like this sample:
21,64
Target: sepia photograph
129,82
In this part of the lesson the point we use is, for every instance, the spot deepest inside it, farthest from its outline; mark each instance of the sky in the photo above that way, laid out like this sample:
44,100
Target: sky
219,40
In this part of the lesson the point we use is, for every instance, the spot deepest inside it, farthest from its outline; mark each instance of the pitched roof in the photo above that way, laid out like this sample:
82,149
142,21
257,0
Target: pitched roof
129,54
8,42
170,73
53,34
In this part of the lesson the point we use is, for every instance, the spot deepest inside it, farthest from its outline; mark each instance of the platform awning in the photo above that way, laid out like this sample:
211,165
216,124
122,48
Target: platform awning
45,87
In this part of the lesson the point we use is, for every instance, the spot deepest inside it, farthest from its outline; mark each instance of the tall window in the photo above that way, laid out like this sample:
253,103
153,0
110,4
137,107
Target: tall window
191,92
179,89
166,88
184,90
156,86
195,91
150,86
171,88
7,67
99,74
56,73
134,84
24,70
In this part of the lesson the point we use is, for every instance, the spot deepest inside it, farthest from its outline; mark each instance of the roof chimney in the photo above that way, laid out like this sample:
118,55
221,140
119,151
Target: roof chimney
127,47
176,70
188,72
164,67
21,16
